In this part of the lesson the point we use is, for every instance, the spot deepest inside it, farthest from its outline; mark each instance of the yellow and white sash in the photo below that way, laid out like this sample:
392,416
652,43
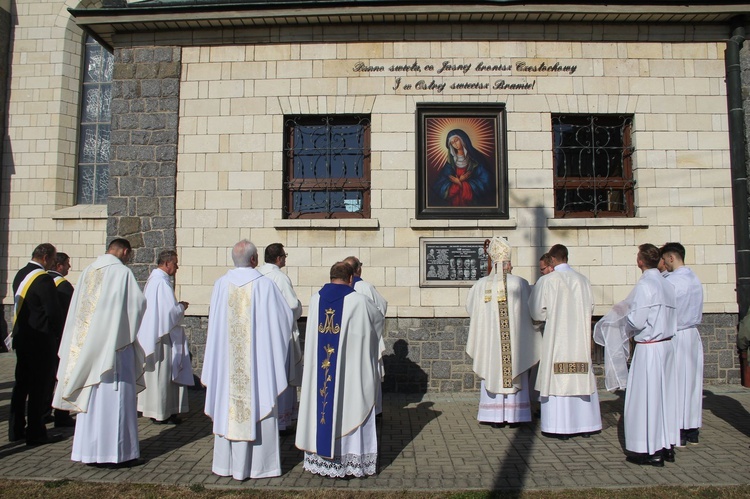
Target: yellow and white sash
59,280
23,288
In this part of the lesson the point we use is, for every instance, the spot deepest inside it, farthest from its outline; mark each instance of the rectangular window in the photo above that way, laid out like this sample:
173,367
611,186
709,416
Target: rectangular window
327,166
592,157
93,133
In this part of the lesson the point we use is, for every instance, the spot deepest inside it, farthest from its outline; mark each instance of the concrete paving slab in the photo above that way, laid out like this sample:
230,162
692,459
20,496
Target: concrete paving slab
427,442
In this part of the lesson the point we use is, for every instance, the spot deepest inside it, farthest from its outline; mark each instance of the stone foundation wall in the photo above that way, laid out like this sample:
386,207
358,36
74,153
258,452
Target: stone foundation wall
428,355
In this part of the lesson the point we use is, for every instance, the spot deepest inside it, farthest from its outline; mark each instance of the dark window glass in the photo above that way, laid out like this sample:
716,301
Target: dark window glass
327,166
593,165
93,134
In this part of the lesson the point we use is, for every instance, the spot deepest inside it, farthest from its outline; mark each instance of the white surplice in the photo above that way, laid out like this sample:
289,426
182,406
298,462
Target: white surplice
367,289
164,395
569,401
244,372
650,399
287,404
101,362
688,347
357,375
502,358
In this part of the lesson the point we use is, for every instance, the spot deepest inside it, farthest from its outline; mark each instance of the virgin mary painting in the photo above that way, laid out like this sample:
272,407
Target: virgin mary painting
463,180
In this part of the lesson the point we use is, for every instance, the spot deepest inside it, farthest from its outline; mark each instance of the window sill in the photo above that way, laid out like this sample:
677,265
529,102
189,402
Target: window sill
81,212
596,223
327,224
463,224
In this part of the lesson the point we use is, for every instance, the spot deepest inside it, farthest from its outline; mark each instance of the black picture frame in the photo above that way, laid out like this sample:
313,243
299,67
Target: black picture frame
481,191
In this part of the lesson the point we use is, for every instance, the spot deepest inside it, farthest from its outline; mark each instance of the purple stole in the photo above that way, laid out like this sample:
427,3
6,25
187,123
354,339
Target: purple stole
330,312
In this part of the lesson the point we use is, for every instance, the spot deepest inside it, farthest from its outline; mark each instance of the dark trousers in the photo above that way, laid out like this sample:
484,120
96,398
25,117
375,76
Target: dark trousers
34,370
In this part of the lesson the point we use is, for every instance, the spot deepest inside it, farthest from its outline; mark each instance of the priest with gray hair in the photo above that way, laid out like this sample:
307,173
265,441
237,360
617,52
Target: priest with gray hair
244,368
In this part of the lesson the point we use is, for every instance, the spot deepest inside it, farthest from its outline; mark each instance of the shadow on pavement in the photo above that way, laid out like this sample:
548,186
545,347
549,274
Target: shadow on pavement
404,384
728,409
612,415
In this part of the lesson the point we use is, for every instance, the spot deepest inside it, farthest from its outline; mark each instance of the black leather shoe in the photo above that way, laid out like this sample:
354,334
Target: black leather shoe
692,438
646,460
49,439
668,455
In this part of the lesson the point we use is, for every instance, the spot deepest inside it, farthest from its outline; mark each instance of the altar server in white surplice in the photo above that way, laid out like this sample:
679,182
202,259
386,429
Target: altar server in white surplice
101,361
336,426
275,257
244,369
168,370
502,340
650,425
568,396
687,342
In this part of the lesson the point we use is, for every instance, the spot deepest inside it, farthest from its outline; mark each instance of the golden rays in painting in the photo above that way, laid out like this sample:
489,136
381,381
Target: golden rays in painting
481,132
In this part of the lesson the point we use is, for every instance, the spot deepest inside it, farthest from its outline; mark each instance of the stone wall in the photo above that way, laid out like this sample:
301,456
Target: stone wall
427,355
143,164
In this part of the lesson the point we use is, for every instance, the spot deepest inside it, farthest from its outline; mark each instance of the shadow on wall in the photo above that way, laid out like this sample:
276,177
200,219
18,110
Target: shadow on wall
403,375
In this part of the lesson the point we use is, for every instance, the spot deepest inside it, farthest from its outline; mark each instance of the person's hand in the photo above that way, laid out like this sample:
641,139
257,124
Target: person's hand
454,179
463,177
184,304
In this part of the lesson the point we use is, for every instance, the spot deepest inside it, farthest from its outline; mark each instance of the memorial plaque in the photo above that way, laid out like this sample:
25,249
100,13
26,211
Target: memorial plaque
452,262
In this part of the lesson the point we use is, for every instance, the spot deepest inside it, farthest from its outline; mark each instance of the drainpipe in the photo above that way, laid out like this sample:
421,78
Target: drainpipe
738,167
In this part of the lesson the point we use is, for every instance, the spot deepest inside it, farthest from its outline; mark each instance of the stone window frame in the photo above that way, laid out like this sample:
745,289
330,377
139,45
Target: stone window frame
93,132
326,183
599,148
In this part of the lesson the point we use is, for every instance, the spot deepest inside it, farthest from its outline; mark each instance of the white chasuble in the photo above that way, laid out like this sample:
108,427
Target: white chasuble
502,341
244,368
564,300
162,337
104,316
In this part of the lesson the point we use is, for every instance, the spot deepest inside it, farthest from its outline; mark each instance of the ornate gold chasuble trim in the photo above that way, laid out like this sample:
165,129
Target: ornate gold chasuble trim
506,356
240,353
89,297
571,367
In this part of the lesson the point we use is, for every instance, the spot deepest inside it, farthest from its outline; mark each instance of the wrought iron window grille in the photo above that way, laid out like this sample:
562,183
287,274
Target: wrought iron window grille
593,171
327,166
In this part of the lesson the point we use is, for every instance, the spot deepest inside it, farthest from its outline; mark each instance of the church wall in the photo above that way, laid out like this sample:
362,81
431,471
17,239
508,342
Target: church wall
234,92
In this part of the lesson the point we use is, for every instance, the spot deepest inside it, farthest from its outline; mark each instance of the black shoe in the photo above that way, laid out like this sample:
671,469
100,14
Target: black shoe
125,464
668,455
646,460
691,436
49,439
558,436
65,422
586,435
683,441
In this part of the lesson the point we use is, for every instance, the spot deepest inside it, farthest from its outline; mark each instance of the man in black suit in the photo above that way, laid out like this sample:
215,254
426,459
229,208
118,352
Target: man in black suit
36,331
64,295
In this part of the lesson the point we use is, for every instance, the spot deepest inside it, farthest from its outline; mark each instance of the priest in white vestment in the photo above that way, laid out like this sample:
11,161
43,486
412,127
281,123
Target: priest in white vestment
687,342
168,369
101,361
568,394
502,340
363,287
275,257
244,369
336,426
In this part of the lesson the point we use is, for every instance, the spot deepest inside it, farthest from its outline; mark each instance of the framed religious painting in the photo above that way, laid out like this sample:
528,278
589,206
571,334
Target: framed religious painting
462,161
